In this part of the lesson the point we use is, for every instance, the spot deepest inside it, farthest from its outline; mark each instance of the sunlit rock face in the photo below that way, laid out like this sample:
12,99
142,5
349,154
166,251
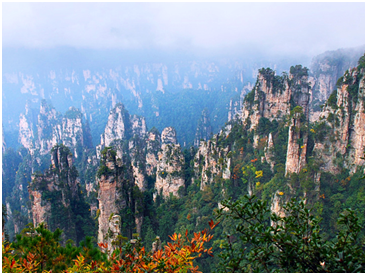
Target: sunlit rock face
296,150
169,175
211,161
153,145
126,134
107,197
168,136
275,97
121,126
269,99
115,183
116,130
343,119
276,206
268,151
51,128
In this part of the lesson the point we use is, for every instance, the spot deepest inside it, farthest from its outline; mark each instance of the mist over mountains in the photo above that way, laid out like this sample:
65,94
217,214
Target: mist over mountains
126,126
153,84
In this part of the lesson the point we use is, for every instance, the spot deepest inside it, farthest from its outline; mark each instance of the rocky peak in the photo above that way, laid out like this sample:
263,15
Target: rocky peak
297,142
168,136
51,128
325,71
340,131
212,160
153,146
72,130
300,87
121,127
170,164
61,158
126,134
269,98
53,195
115,182
273,98
117,124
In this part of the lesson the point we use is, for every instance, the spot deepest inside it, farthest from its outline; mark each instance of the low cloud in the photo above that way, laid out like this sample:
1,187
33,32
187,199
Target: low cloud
307,28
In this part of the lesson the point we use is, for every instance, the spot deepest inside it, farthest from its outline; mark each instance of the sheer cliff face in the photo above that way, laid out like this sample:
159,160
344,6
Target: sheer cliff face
148,153
107,197
153,147
169,175
50,128
211,161
342,120
275,97
26,129
40,209
117,124
268,153
269,99
297,142
299,116
121,127
138,160
116,130
168,136
72,130
325,71
325,74
51,194
115,183
138,126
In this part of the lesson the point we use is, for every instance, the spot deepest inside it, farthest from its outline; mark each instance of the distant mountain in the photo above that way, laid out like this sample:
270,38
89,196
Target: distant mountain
151,85
325,70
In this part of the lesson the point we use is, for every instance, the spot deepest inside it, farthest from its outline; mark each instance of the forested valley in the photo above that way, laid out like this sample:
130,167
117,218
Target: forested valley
269,178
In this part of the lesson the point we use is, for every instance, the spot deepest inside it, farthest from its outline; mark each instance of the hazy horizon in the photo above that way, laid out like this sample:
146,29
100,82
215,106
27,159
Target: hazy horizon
223,29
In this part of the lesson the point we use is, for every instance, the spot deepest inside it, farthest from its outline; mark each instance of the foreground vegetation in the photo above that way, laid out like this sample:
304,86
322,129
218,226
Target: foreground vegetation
256,241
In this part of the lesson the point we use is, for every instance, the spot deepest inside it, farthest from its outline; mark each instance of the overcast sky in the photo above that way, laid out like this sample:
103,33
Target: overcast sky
307,28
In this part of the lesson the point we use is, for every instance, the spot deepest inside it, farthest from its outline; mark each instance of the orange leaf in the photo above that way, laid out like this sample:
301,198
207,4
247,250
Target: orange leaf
212,225
171,247
210,253
173,237
196,236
